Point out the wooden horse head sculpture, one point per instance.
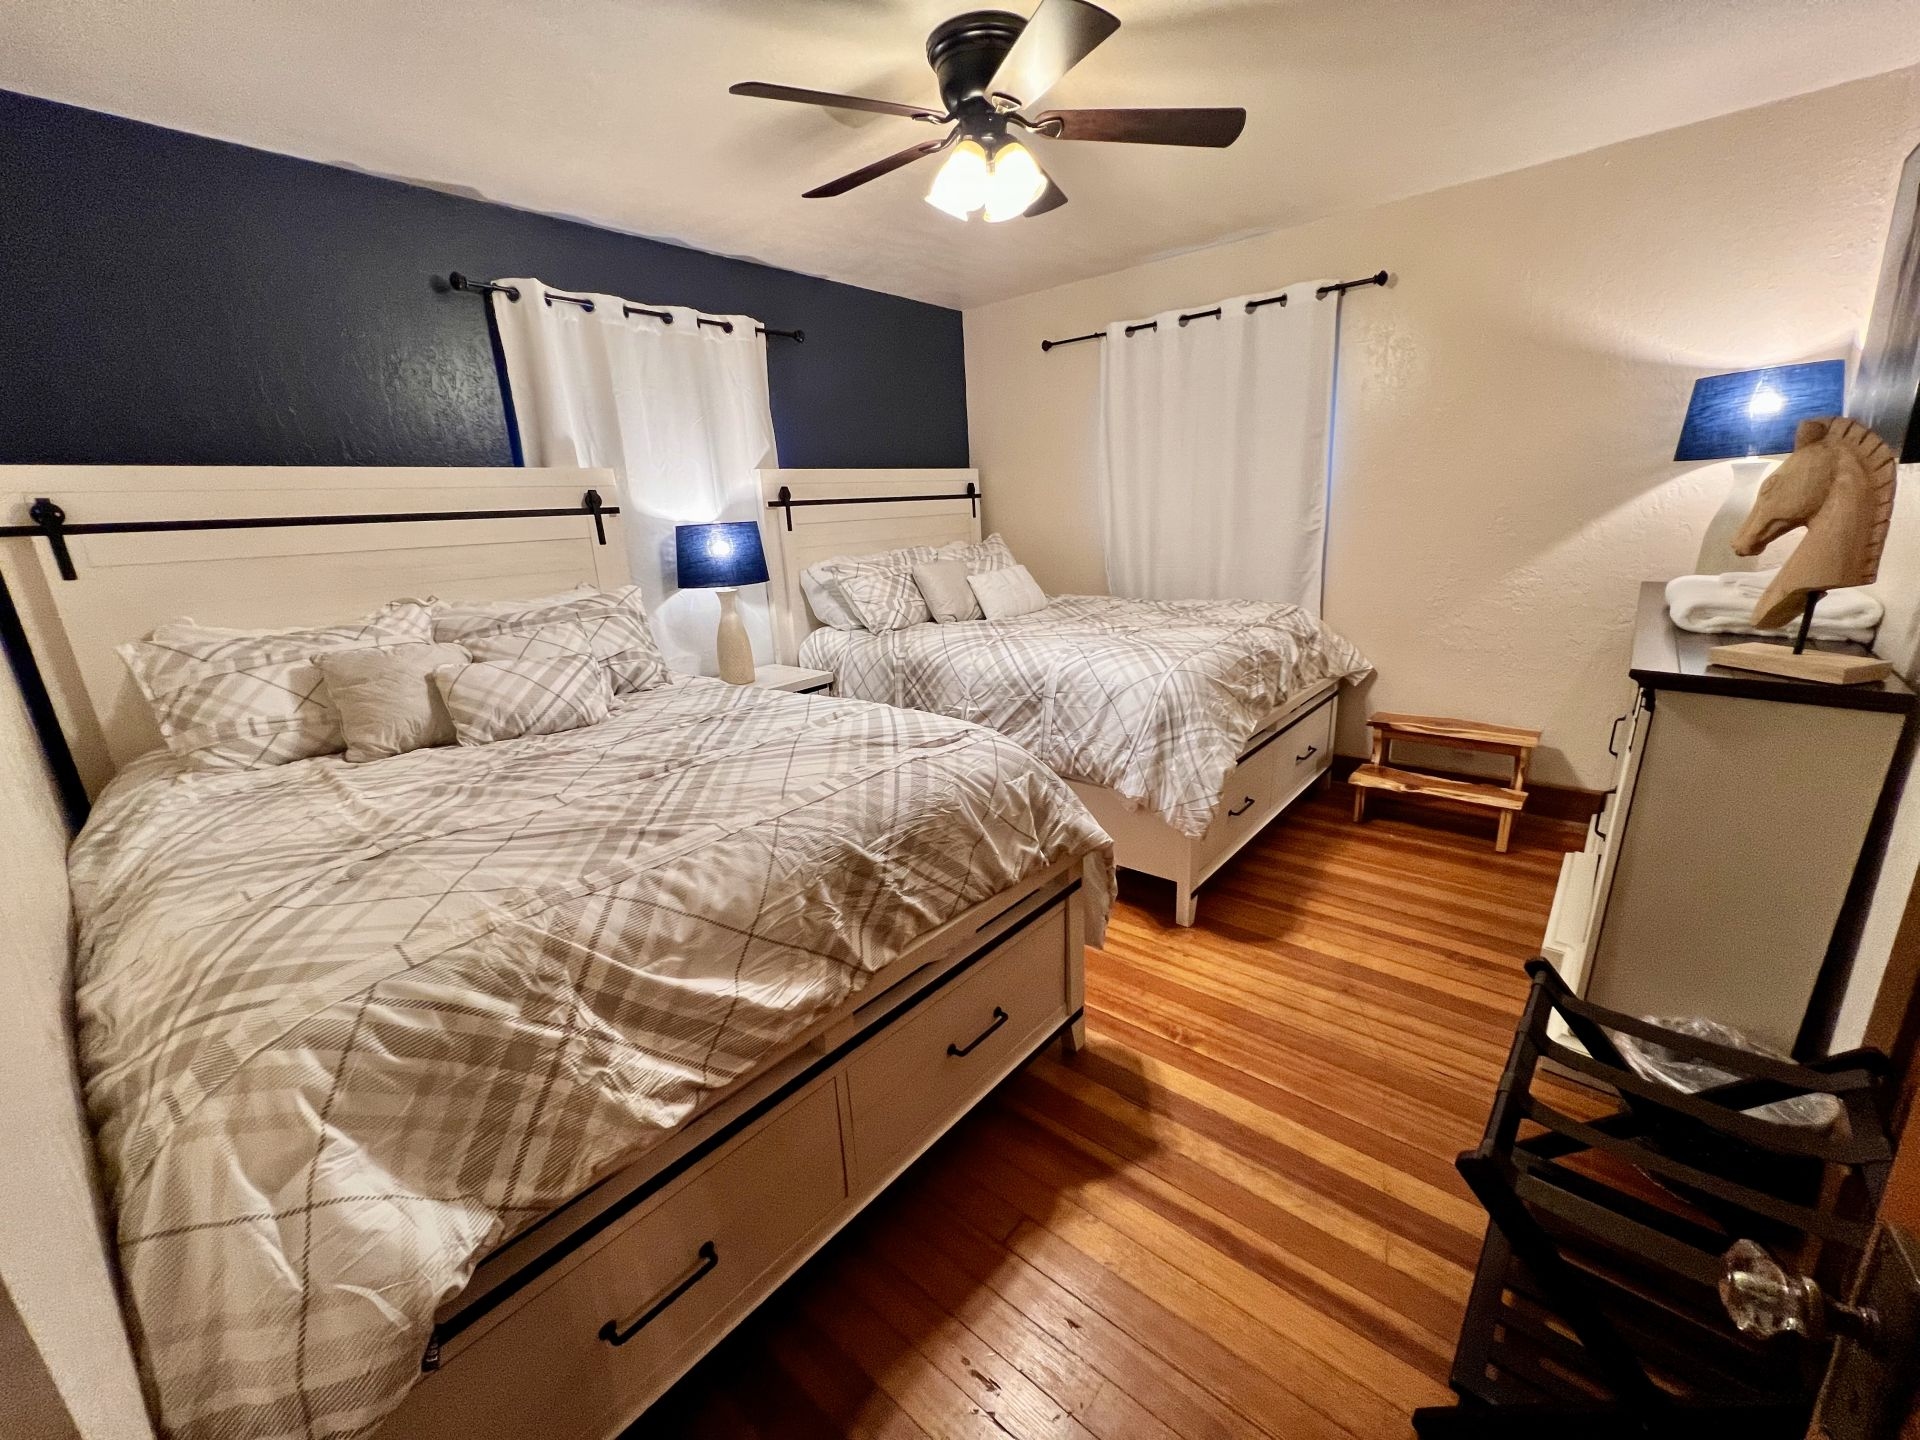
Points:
(1839, 484)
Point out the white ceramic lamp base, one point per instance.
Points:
(731, 646)
(1716, 546)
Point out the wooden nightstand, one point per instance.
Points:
(793, 678)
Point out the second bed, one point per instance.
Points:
(1184, 726)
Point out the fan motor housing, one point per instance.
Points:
(966, 51)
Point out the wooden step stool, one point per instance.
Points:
(1381, 774)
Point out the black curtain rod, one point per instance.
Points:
(1379, 277)
(457, 281)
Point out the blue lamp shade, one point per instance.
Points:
(725, 553)
(1755, 412)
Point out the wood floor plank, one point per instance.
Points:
(1080, 1388)
(1146, 1231)
(995, 1385)
(1437, 1216)
(1164, 1389)
(859, 1408)
(1334, 1239)
(914, 1381)
(1233, 1217)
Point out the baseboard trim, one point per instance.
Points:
(1549, 802)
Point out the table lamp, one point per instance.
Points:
(1742, 417)
(723, 556)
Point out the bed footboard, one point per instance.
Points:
(594, 1330)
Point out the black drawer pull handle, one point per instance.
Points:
(614, 1333)
(1242, 808)
(1602, 811)
(960, 1052)
(1613, 734)
(1311, 751)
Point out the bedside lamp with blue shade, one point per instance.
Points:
(723, 556)
(1742, 417)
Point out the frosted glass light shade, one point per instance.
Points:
(960, 185)
(1014, 184)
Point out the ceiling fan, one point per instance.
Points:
(991, 64)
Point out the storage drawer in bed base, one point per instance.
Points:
(579, 1341)
(1284, 759)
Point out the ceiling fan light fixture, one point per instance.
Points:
(990, 64)
(1013, 183)
(961, 184)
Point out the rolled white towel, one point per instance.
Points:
(1723, 605)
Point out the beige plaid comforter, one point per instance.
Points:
(1153, 699)
(343, 1028)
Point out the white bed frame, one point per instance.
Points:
(1291, 750)
(670, 1253)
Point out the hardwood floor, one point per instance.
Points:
(1234, 1216)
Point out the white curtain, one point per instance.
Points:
(1214, 450)
(678, 411)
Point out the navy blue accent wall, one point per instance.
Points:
(168, 299)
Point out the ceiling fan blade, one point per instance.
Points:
(1059, 35)
(1216, 128)
(877, 169)
(760, 90)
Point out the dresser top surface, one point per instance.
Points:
(1665, 657)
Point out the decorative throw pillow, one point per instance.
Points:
(943, 585)
(885, 599)
(244, 699)
(988, 554)
(1004, 594)
(825, 605)
(884, 579)
(493, 700)
(386, 697)
(608, 625)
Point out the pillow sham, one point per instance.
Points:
(943, 585)
(491, 700)
(1004, 594)
(607, 625)
(245, 699)
(826, 606)
(988, 554)
(883, 596)
(875, 592)
(386, 697)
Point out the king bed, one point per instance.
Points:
(480, 1089)
(1184, 726)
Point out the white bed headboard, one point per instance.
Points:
(870, 511)
(127, 584)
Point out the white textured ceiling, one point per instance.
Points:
(616, 111)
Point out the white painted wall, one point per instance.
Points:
(1507, 408)
(54, 1268)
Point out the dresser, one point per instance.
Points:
(1729, 868)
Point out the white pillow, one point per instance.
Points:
(607, 625)
(943, 585)
(244, 699)
(1004, 594)
(493, 700)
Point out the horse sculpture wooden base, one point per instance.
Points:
(1838, 483)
